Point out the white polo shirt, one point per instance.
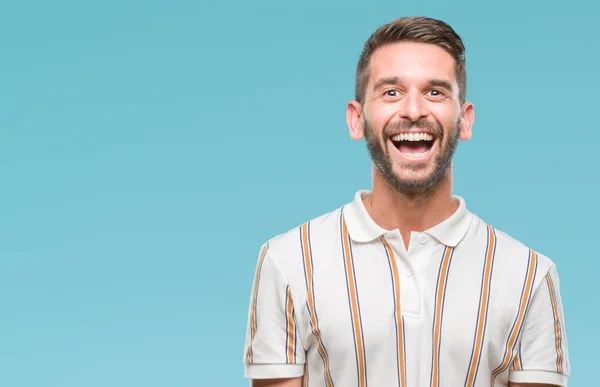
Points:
(342, 302)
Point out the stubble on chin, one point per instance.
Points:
(413, 180)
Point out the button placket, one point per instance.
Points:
(410, 293)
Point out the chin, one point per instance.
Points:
(415, 180)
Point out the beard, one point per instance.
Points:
(417, 185)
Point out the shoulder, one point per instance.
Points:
(292, 244)
(514, 245)
(516, 255)
(291, 239)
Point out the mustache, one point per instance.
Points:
(406, 125)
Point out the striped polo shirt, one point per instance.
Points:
(341, 301)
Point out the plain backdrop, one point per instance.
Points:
(148, 148)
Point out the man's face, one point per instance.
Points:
(411, 116)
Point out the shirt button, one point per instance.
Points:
(408, 274)
(423, 240)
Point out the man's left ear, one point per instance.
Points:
(467, 118)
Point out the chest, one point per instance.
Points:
(437, 303)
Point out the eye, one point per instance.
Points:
(436, 93)
(392, 93)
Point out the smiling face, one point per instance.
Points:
(411, 117)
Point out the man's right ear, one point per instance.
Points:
(354, 119)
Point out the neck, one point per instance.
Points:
(393, 210)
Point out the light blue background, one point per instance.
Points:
(148, 148)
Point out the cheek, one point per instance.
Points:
(381, 114)
(448, 118)
(388, 112)
(386, 121)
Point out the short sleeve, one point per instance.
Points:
(272, 347)
(543, 355)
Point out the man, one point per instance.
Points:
(403, 286)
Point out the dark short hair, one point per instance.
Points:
(413, 29)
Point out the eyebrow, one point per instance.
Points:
(397, 80)
(440, 83)
(385, 82)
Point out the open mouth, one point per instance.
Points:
(414, 145)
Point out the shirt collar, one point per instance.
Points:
(362, 228)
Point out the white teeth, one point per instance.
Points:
(415, 155)
(412, 137)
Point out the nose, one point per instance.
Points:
(413, 106)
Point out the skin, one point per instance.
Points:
(412, 96)
(531, 385)
(421, 87)
(295, 382)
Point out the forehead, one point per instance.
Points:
(412, 62)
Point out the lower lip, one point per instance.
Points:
(416, 157)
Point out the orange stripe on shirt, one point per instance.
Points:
(557, 330)
(354, 306)
(291, 329)
(437, 319)
(517, 363)
(308, 269)
(523, 304)
(397, 314)
(483, 307)
(249, 354)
